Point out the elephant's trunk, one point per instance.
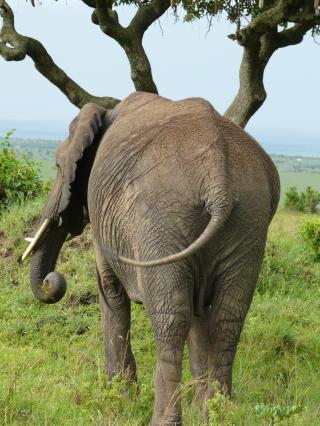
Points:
(47, 285)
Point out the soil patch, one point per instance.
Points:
(5, 249)
(84, 299)
(2, 237)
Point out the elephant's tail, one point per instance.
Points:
(217, 221)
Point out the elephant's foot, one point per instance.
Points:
(128, 374)
(166, 421)
(200, 394)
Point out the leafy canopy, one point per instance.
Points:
(234, 10)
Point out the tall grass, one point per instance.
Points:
(52, 360)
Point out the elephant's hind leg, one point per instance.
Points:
(198, 345)
(116, 321)
(170, 308)
(234, 290)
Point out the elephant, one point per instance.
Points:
(179, 199)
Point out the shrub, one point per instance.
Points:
(310, 199)
(304, 202)
(220, 409)
(293, 200)
(273, 414)
(310, 233)
(19, 175)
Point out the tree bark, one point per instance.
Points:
(251, 94)
(260, 39)
(141, 73)
(76, 94)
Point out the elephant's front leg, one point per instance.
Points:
(116, 319)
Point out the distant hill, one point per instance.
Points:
(40, 148)
(296, 164)
(291, 143)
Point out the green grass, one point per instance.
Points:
(52, 360)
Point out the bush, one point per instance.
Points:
(220, 409)
(19, 175)
(273, 414)
(310, 199)
(304, 202)
(310, 233)
(293, 200)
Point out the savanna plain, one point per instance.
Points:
(52, 360)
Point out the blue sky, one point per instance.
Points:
(186, 61)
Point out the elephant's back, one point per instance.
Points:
(146, 118)
(168, 156)
(159, 144)
(173, 146)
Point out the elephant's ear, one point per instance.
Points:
(77, 152)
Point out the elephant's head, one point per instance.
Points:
(66, 211)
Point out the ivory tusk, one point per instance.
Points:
(70, 237)
(35, 240)
(29, 239)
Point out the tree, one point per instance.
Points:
(261, 28)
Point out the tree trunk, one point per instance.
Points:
(251, 94)
(141, 73)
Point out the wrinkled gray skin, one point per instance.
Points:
(156, 177)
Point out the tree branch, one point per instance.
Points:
(251, 94)
(293, 35)
(109, 22)
(130, 38)
(90, 3)
(15, 47)
(147, 14)
(267, 20)
(260, 40)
